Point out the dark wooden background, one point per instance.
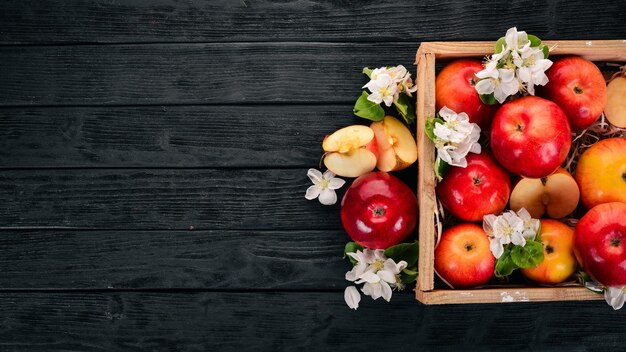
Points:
(153, 158)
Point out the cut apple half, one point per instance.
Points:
(351, 151)
(615, 108)
(556, 194)
(396, 146)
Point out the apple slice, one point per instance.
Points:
(557, 194)
(351, 151)
(615, 108)
(396, 146)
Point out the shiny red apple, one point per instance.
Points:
(578, 87)
(378, 210)
(530, 136)
(463, 257)
(481, 188)
(454, 88)
(600, 243)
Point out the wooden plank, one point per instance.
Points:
(507, 295)
(595, 50)
(162, 199)
(426, 178)
(137, 21)
(173, 136)
(269, 321)
(192, 73)
(223, 259)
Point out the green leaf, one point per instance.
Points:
(368, 71)
(429, 127)
(405, 108)
(488, 99)
(499, 44)
(528, 256)
(404, 251)
(408, 276)
(367, 109)
(534, 40)
(351, 247)
(441, 168)
(546, 51)
(504, 264)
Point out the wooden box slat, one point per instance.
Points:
(427, 54)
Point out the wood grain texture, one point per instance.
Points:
(426, 178)
(105, 21)
(162, 199)
(295, 321)
(192, 73)
(224, 259)
(172, 136)
(507, 295)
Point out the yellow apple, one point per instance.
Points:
(559, 261)
(601, 172)
(351, 151)
(556, 194)
(396, 146)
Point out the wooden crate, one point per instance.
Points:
(427, 54)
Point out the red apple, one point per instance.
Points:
(530, 137)
(481, 188)
(578, 87)
(454, 88)
(463, 257)
(378, 210)
(600, 243)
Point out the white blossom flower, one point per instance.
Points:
(377, 72)
(407, 85)
(532, 67)
(499, 81)
(397, 73)
(531, 226)
(516, 40)
(324, 186)
(378, 274)
(615, 296)
(383, 89)
(352, 297)
(456, 137)
(502, 230)
(517, 67)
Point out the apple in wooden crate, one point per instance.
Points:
(463, 257)
(600, 243)
(396, 146)
(556, 194)
(378, 210)
(479, 189)
(351, 151)
(578, 87)
(601, 172)
(454, 88)
(530, 136)
(615, 108)
(559, 261)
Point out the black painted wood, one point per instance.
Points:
(169, 136)
(192, 73)
(295, 322)
(224, 259)
(105, 21)
(162, 199)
